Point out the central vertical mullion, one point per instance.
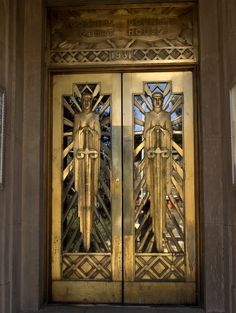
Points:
(128, 192)
(116, 178)
(189, 188)
(57, 138)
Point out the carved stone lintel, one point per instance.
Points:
(117, 35)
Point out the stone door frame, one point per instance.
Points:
(28, 255)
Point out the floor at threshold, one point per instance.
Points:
(117, 309)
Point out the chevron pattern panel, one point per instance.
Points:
(164, 267)
(86, 267)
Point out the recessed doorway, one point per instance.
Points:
(123, 199)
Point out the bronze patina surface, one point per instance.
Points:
(123, 208)
(135, 34)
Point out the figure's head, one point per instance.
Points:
(86, 102)
(157, 99)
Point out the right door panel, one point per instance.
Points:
(159, 188)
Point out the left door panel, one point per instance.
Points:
(86, 249)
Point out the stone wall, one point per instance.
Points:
(10, 195)
(217, 31)
(227, 31)
(21, 198)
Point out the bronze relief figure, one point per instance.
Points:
(158, 136)
(87, 136)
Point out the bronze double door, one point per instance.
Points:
(123, 203)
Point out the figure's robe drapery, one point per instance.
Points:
(87, 136)
(158, 135)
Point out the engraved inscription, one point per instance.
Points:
(95, 33)
(121, 55)
(94, 23)
(144, 31)
(149, 21)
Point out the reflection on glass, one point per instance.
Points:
(233, 130)
(101, 229)
(173, 233)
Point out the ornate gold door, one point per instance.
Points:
(123, 204)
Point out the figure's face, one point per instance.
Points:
(157, 101)
(86, 102)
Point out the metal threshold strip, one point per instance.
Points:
(116, 309)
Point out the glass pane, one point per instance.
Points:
(86, 209)
(233, 130)
(158, 181)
